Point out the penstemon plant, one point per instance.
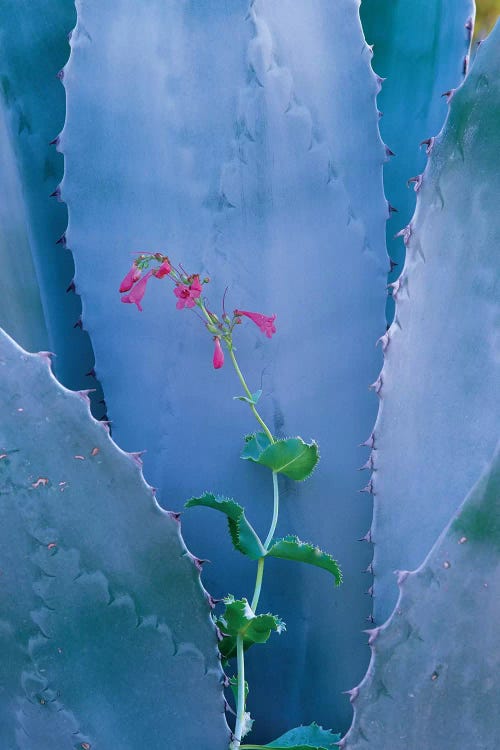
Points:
(239, 625)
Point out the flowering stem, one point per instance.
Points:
(260, 564)
(238, 730)
(247, 391)
(240, 709)
(258, 583)
(276, 507)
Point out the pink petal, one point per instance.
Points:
(264, 322)
(195, 289)
(128, 282)
(163, 270)
(181, 291)
(138, 291)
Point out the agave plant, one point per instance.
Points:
(246, 138)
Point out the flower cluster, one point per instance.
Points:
(188, 290)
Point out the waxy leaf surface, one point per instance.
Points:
(106, 638)
(440, 412)
(420, 52)
(434, 677)
(241, 138)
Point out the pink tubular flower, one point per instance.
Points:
(128, 282)
(264, 322)
(187, 293)
(138, 291)
(218, 359)
(163, 270)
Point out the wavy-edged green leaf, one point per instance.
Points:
(239, 619)
(291, 548)
(248, 722)
(292, 457)
(243, 535)
(106, 638)
(233, 684)
(440, 411)
(305, 738)
(259, 163)
(420, 53)
(434, 678)
(254, 446)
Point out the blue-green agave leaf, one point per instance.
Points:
(439, 386)
(38, 305)
(21, 310)
(243, 535)
(434, 678)
(106, 638)
(291, 548)
(420, 53)
(241, 138)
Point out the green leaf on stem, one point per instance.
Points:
(254, 446)
(292, 457)
(252, 401)
(247, 719)
(243, 535)
(306, 738)
(233, 684)
(291, 548)
(240, 619)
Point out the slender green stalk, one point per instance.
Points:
(276, 510)
(260, 564)
(247, 391)
(258, 584)
(240, 655)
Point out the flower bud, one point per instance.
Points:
(218, 359)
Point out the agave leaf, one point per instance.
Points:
(439, 386)
(419, 55)
(241, 138)
(243, 535)
(21, 310)
(36, 271)
(105, 635)
(291, 548)
(434, 677)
